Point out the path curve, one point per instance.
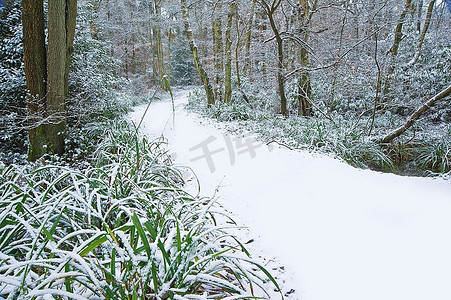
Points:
(332, 232)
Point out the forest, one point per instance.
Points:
(90, 208)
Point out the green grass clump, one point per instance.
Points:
(121, 229)
(435, 157)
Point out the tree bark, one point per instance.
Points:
(421, 110)
(423, 33)
(218, 56)
(159, 46)
(393, 51)
(154, 45)
(56, 66)
(247, 46)
(35, 74)
(71, 21)
(398, 31)
(420, 9)
(304, 84)
(168, 56)
(331, 100)
(197, 62)
(47, 72)
(228, 54)
(269, 10)
(237, 48)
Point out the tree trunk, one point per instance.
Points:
(421, 110)
(154, 45)
(168, 56)
(159, 46)
(133, 61)
(197, 62)
(71, 19)
(304, 84)
(218, 56)
(56, 66)
(393, 51)
(47, 72)
(237, 48)
(260, 57)
(35, 74)
(331, 100)
(228, 54)
(398, 31)
(420, 10)
(423, 33)
(269, 10)
(247, 46)
(160, 59)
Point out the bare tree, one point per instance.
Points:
(270, 9)
(195, 52)
(416, 115)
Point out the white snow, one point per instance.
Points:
(332, 232)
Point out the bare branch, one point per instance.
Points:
(421, 110)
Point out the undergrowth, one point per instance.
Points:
(121, 228)
(344, 136)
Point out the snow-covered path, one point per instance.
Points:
(335, 232)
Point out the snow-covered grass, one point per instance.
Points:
(346, 136)
(341, 137)
(121, 229)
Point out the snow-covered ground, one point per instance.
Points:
(330, 231)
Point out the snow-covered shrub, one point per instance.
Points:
(121, 229)
(229, 112)
(12, 82)
(93, 80)
(183, 71)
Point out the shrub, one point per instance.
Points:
(12, 82)
(121, 229)
(93, 79)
